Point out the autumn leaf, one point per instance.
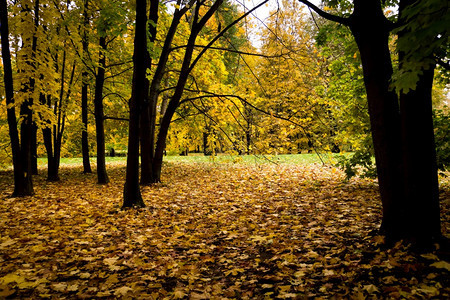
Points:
(122, 291)
(442, 265)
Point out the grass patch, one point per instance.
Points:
(307, 158)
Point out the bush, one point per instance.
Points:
(441, 122)
(360, 163)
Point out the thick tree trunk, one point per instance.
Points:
(421, 186)
(84, 94)
(20, 184)
(371, 31)
(148, 116)
(102, 176)
(422, 214)
(131, 192)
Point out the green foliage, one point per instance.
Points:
(360, 163)
(423, 37)
(441, 122)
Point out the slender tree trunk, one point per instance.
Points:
(84, 94)
(371, 31)
(102, 176)
(26, 130)
(131, 192)
(34, 156)
(52, 174)
(20, 184)
(149, 143)
(186, 68)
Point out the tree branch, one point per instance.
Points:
(209, 45)
(323, 14)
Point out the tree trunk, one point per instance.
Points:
(34, 164)
(52, 171)
(26, 130)
(421, 186)
(371, 31)
(20, 184)
(186, 68)
(102, 176)
(148, 117)
(84, 94)
(131, 192)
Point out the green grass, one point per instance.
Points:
(308, 158)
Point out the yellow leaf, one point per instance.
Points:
(122, 291)
(179, 294)
(7, 243)
(370, 288)
(59, 287)
(430, 256)
(441, 265)
(12, 278)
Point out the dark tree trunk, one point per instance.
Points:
(26, 131)
(371, 31)
(205, 142)
(131, 192)
(26, 113)
(52, 171)
(102, 176)
(172, 106)
(21, 188)
(421, 186)
(34, 156)
(148, 110)
(84, 94)
(422, 214)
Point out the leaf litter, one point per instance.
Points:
(210, 231)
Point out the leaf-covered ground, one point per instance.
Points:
(211, 231)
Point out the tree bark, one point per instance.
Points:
(186, 68)
(20, 184)
(84, 94)
(148, 140)
(131, 193)
(148, 115)
(421, 186)
(102, 176)
(371, 31)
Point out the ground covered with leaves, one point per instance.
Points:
(210, 231)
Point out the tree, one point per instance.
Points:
(404, 215)
(22, 181)
(132, 194)
(84, 92)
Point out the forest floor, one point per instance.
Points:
(211, 231)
